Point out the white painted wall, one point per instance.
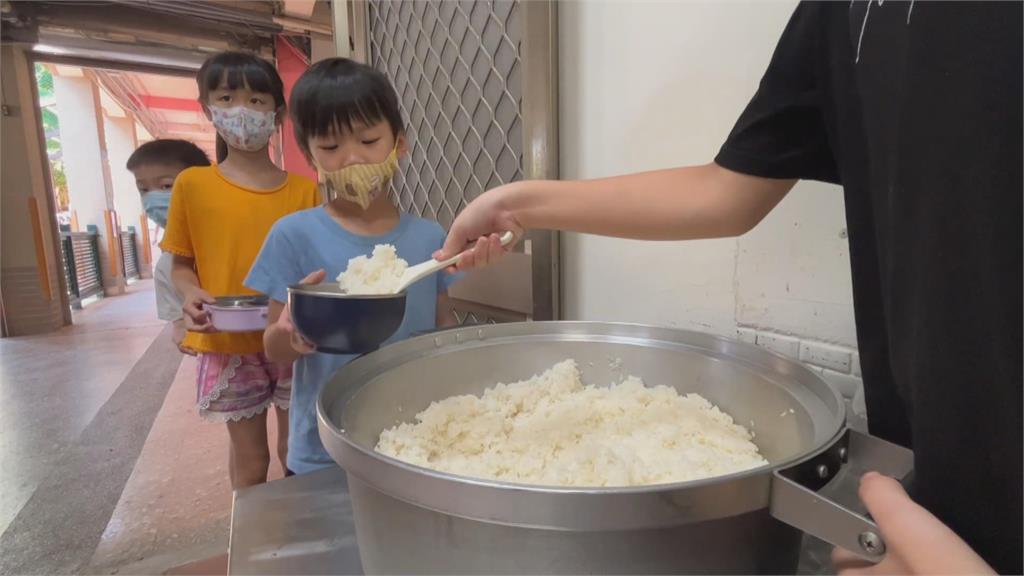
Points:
(120, 145)
(646, 85)
(84, 164)
(80, 143)
(141, 134)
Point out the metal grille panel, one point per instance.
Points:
(128, 256)
(85, 256)
(456, 67)
(471, 318)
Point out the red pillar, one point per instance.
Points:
(290, 65)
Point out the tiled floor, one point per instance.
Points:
(104, 465)
(176, 505)
(52, 386)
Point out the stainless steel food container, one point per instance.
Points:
(239, 313)
(414, 520)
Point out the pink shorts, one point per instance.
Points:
(231, 387)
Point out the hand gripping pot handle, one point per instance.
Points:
(819, 494)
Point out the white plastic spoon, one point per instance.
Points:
(416, 273)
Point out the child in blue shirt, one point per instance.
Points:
(348, 123)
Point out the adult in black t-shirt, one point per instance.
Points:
(915, 109)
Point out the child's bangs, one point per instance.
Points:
(234, 73)
(335, 95)
(339, 110)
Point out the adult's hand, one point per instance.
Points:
(477, 231)
(916, 541)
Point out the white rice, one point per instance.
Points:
(379, 274)
(552, 430)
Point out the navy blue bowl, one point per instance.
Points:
(340, 323)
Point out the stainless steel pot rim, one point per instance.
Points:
(253, 301)
(821, 446)
(333, 290)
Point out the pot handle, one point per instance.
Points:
(819, 495)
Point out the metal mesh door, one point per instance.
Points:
(476, 82)
(456, 68)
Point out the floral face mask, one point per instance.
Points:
(244, 129)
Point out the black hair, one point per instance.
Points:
(238, 69)
(335, 93)
(180, 152)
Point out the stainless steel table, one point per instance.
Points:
(297, 525)
(303, 525)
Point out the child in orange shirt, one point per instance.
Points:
(218, 219)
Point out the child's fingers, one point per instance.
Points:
(314, 278)
(193, 326)
(205, 327)
(287, 325)
(192, 313)
(301, 345)
(196, 320)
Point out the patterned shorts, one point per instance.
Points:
(231, 387)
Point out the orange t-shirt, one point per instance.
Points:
(222, 226)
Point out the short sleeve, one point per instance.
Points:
(177, 239)
(308, 190)
(782, 132)
(317, 198)
(276, 266)
(168, 301)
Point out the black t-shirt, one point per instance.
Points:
(915, 109)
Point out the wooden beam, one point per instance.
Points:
(299, 8)
(113, 244)
(147, 250)
(169, 103)
(339, 14)
(37, 240)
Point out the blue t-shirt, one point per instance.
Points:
(304, 242)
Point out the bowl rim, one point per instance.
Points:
(320, 290)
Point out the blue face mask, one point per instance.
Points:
(156, 203)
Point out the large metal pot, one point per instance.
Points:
(414, 520)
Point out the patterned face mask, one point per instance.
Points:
(359, 183)
(242, 128)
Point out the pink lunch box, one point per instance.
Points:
(239, 313)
